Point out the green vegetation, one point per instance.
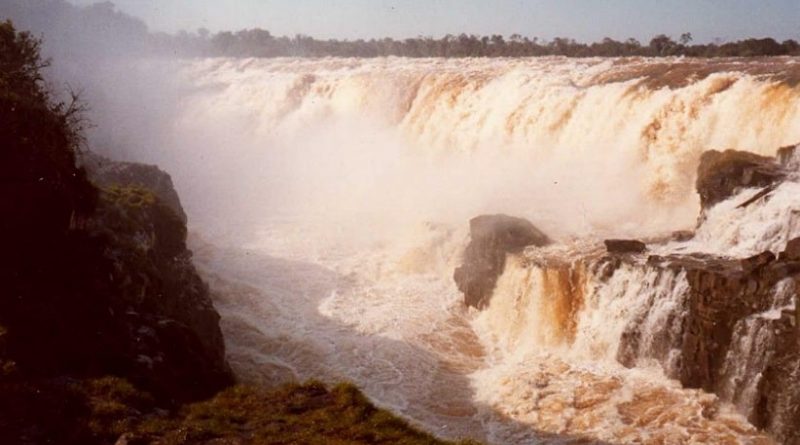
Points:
(42, 194)
(293, 414)
(39, 138)
(106, 330)
(101, 410)
(130, 196)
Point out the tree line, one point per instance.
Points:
(101, 28)
(261, 43)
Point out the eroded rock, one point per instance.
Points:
(727, 333)
(722, 174)
(491, 238)
(624, 246)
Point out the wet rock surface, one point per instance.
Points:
(624, 246)
(730, 309)
(722, 174)
(491, 238)
(682, 235)
(756, 262)
(736, 331)
(726, 325)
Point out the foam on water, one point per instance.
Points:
(330, 199)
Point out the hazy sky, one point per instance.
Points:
(585, 20)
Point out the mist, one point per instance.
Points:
(329, 201)
(376, 146)
(237, 164)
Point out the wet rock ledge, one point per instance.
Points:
(731, 326)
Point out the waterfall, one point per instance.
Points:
(329, 199)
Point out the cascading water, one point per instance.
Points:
(329, 200)
(555, 344)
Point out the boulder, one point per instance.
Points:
(722, 174)
(491, 238)
(624, 246)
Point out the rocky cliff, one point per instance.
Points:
(736, 333)
(179, 348)
(720, 321)
(97, 279)
(114, 291)
(107, 333)
(111, 291)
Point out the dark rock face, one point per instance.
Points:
(491, 238)
(722, 174)
(111, 290)
(733, 330)
(106, 173)
(722, 304)
(792, 250)
(787, 156)
(97, 285)
(624, 246)
(163, 303)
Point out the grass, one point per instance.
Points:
(306, 413)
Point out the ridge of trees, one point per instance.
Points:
(101, 28)
(261, 43)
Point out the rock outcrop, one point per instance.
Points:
(106, 173)
(163, 303)
(737, 330)
(113, 291)
(96, 276)
(731, 310)
(727, 325)
(491, 238)
(792, 251)
(722, 174)
(99, 296)
(624, 246)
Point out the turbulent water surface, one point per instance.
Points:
(330, 200)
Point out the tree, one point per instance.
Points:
(20, 62)
(222, 43)
(662, 45)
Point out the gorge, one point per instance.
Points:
(510, 250)
(345, 272)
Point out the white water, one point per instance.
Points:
(330, 199)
